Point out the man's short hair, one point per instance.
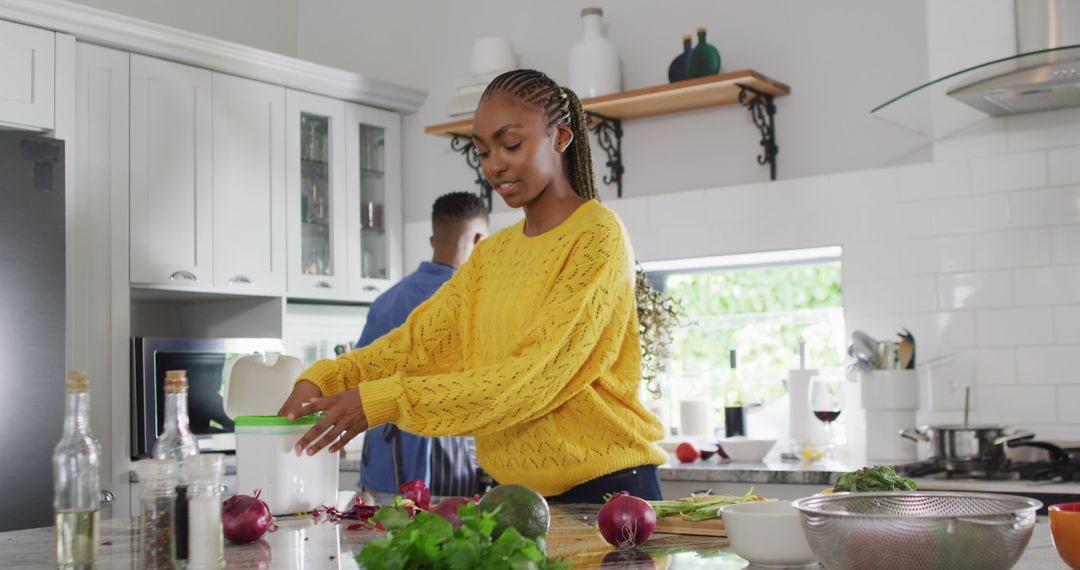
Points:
(458, 206)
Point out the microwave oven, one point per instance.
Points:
(208, 361)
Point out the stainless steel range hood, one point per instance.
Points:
(1044, 75)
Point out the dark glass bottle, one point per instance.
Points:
(677, 70)
(734, 414)
(704, 59)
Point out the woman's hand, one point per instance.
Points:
(303, 391)
(344, 420)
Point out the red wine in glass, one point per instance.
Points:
(827, 416)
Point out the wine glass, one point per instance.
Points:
(826, 402)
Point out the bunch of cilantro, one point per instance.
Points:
(428, 541)
(880, 478)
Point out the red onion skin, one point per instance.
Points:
(626, 521)
(245, 519)
(447, 509)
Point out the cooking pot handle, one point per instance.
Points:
(1057, 454)
(1017, 436)
(917, 435)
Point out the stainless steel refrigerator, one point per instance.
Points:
(32, 349)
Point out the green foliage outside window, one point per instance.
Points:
(762, 314)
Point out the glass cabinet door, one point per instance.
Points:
(373, 258)
(316, 196)
(375, 200)
(315, 239)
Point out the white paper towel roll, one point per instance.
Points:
(804, 427)
(695, 418)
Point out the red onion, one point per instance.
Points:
(245, 519)
(447, 509)
(626, 521)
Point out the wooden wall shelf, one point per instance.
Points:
(747, 87)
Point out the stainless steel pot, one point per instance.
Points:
(968, 448)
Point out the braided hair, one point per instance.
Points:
(657, 314)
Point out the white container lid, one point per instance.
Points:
(254, 388)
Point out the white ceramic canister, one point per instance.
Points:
(265, 460)
(594, 63)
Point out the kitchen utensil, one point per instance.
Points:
(864, 349)
(675, 524)
(906, 350)
(969, 448)
(899, 531)
(1065, 528)
(967, 402)
(767, 534)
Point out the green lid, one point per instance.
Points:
(276, 421)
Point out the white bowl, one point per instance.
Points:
(767, 534)
(746, 450)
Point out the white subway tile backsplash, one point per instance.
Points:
(1019, 248)
(1047, 285)
(913, 219)
(933, 180)
(1008, 172)
(935, 255)
(871, 260)
(975, 290)
(1048, 365)
(877, 186)
(971, 214)
(1014, 327)
(1068, 402)
(1067, 324)
(897, 295)
(1047, 129)
(984, 138)
(1065, 244)
(1015, 405)
(1064, 164)
(1045, 207)
(992, 366)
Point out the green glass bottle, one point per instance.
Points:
(704, 58)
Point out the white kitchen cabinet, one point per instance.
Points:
(171, 174)
(249, 186)
(27, 76)
(100, 270)
(315, 148)
(374, 200)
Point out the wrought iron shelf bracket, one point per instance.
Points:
(762, 111)
(464, 146)
(609, 133)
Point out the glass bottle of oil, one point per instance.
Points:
(178, 443)
(77, 480)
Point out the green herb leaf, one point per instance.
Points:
(392, 518)
(879, 479)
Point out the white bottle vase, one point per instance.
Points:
(594, 63)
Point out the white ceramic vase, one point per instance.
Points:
(594, 63)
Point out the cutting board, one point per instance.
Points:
(678, 525)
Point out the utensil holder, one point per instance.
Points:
(890, 398)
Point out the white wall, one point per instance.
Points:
(265, 24)
(841, 58)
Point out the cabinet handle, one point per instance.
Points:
(370, 288)
(324, 285)
(241, 280)
(185, 275)
(107, 497)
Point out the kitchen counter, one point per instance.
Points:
(300, 542)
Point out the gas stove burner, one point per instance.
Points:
(1064, 466)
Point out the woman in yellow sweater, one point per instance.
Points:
(534, 345)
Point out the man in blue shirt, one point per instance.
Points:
(390, 456)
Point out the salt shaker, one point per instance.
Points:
(206, 548)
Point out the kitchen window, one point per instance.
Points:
(762, 305)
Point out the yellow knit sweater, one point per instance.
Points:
(532, 347)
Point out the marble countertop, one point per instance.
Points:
(301, 542)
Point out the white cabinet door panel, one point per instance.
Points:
(27, 76)
(171, 184)
(249, 185)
